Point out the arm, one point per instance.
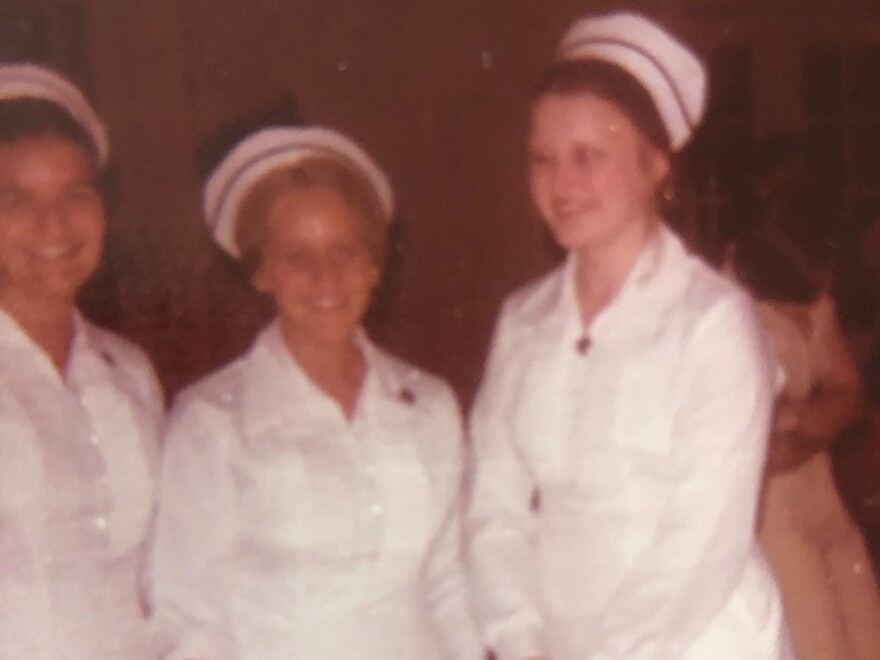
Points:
(448, 594)
(837, 400)
(194, 531)
(703, 537)
(500, 523)
(802, 428)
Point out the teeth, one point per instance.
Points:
(52, 251)
(327, 304)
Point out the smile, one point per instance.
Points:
(54, 252)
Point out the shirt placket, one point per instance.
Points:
(90, 518)
(369, 506)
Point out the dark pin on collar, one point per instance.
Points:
(582, 346)
(406, 396)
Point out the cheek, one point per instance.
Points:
(539, 187)
(91, 225)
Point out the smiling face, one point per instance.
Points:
(593, 174)
(51, 219)
(316, 264)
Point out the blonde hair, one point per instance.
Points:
(325, 172)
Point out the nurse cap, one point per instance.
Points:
(269, 149)
(674, 77)
(32, 81)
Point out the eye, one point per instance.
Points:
(585, 155)
(81, 195)
(539, 158)
(295, 257)
(12, 201)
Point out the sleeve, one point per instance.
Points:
(448, 593)
(24, 590)
(194, 533)
(703, 537)
(500, 521)
(148, 383)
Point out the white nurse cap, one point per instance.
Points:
(270, 149)
(32, 81)
(673, 76)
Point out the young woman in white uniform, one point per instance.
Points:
(80, 408)
(621, 426)
(310, 503)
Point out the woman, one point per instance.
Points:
(310, 498)
(621, 426)
(828, 585)
(79, 407)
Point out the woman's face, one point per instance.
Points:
(316, 264)
(51, 219)
(593, 175)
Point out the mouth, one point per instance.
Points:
(568, 211)
(328, 305)
(54, 252)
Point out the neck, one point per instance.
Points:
(48, 323)
(601, 270)
(337, 367)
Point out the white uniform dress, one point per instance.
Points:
(615, 489)
(286, 531)
(78, 459)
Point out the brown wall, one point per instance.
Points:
(435, 89)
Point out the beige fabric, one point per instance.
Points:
(818, 555)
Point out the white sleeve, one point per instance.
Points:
(447, 587)
(500, 522)
(703, 537)
(194, 532)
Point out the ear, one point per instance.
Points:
(260, 280)
(375, 275)
(658, 165)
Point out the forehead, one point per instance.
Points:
(578, 115)
(43, 159)
(312, 211)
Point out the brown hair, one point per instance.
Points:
(318, 171)
(613, 84)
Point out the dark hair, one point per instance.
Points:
(30, 117)
(613, 84)
(784, 256)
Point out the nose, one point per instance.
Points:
(53, 220)
(323, 271)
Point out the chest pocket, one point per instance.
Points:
(410, 484)
(296, 495)
(645, 400)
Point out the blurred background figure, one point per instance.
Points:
(80, 408)
(310, 493)
(785, 258)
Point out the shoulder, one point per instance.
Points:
(708, 292)
(415, 383)
(220, 390)
(534, 300)
(130, 363)
(118, 351)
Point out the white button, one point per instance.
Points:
(376, 509)
(93, 439)
(370, 469)
(100, 522)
